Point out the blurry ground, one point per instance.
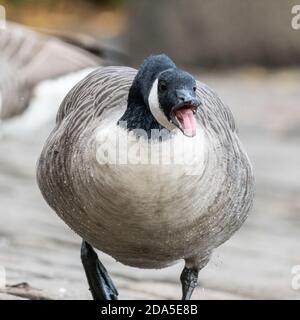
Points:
(38, 248)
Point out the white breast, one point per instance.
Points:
(151, 174)
(176, 153)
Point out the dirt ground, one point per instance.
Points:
(41, 254)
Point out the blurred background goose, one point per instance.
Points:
(152, 215)
(28, 58)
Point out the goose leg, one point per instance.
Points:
(188, 278)
(101, 285)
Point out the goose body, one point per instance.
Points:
(142, 213)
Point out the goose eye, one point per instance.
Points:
(194, 89)
(162, 86)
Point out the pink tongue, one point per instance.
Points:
(187, 121)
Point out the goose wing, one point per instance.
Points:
(104, 88)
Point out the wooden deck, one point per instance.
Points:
(41, 254)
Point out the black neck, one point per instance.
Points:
(138, 114)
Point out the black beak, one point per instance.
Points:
(186, 98)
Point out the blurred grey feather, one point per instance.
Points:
(27, 58)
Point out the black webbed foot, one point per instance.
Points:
(101, 285)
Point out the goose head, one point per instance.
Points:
(173, 102)
(166, 94)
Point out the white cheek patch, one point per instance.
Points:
(156, 110)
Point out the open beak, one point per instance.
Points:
(183, 114)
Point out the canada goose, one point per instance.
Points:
(27, 58)
(147, 215)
